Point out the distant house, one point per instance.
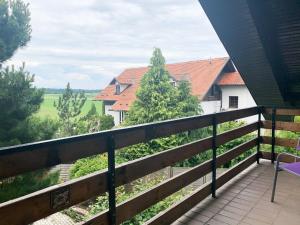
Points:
(215, 82)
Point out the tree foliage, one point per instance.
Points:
(26, 183)
(69, 107)
(158, 99)
(94, 122)
(15, 29)
(19, 99)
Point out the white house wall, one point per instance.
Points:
(123, 87)
(115, 114)
(245, 99)
(210, 106)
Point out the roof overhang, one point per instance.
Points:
(263, 40)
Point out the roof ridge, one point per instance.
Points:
(190, 61)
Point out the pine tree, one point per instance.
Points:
(19, 100)
(69, 107)
(15, 29)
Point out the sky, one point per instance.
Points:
(88, 42)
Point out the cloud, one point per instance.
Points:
(89, 42)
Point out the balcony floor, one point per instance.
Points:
(246, 200)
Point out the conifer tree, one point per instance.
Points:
(15, 29)
(69, 107)
(158, 99)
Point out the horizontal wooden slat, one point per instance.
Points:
(236, 133)
(228, 175)
(236, 114)
(173, 213)
(37, 205)
(129, 208)
(235, 152)
(279, 125)
(177, 210)
(266, 124)
(285, 142)
(141, 167)
(287, 112)
(144, 200)
(88, 186)
(24, 158)
(283, 158)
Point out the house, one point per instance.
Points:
(215, 82)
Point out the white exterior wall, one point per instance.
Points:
(245, 99)
(210, 106)
(123, 87)
(115, 114)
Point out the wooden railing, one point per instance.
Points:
(276, 124)
(24, 158)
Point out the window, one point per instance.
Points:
(233, 102)
(118, 89)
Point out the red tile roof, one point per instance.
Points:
(233, 78)
(200, 73)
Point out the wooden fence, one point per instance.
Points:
(276, 124)
(24, 158)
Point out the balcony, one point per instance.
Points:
(246, 200)
(244, 187)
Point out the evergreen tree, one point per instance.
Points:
(19, 99)
(69, 107)
(187, 104)
(156, 97)
(94, 122)
(15, 29)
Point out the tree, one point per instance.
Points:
(69, 107)
(19, 99)
(157, 100)
(94, 122)
(187, 104)
(156, 97)
(15, 29)
(106, 122)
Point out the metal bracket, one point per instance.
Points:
(273, 133)
(214, 156)
(258, 138)
(111, 179)
(60, 198)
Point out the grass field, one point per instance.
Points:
(48, 110)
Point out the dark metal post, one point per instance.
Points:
(214, 156)
(258, 136)
(273, 134)
(111, 180)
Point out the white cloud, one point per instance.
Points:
(89, 42)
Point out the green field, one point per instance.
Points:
(48, 110)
